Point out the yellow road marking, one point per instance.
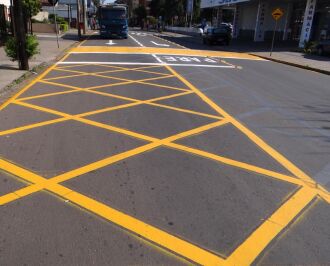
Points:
(80, 73)
(76, 65)
(164, 51)
(243, 255)
(209, 155)
(79, 117)
(8, 198)
(88, 90)
(115, 158)
(127, 81)
(104, 65)
(246, 253)
(147, 231)
(238, 164)
(5, 104)
(69, 117)
(149, 102)
(47, 95)
(258, 141)
(40, 124)
(124, 82)
(138, 69)
(155, 235)
(185, 110)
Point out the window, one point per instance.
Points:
(113, 14)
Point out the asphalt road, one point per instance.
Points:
(143, 152)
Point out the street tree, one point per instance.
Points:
(30, 9)
(33, 6)
(197, 10)
(157, 8)
(140, 13)
(173, 8)
(97, 3)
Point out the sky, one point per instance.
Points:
(5, 2)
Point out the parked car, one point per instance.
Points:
(199, 29)
(221, 34)
(323, 47)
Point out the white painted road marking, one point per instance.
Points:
(160, 44)
(142, 34)
(110, 43)
(136, 40)
(141, 63)
(187, 59)
(176, 53)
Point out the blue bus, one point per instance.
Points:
(113, 21)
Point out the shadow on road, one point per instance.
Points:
(8, 67)
(195, 42)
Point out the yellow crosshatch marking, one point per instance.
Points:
(247, 251)
(164, 51)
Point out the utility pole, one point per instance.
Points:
(12, 27)
(78, 19)
(23, 62)
(84, 15)
(55, 21)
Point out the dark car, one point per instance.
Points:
(323, 47)
(221, 34)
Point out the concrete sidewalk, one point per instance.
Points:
(49, 51)
(286, 53)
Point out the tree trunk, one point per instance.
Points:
(20, 35)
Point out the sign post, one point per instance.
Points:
(53, 3)
(276, 14)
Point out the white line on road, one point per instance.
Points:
(172, 54)
(139, 63)
(160, 44)
(110, 42)
(136, 40)
(157, 58)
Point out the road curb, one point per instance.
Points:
(277, 60)
(293, 64)
(17, 84)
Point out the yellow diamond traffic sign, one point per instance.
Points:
(277, 13)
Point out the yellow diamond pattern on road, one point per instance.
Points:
(164, 51)
(247, 251)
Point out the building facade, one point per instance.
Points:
(302, 20)
(4, 10)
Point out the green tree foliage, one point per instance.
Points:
(140, 13)
(32, 7)
(97, 3)
(174, 8)
(197, 10)
(31, 47)
(169, 9)
(157, 8)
